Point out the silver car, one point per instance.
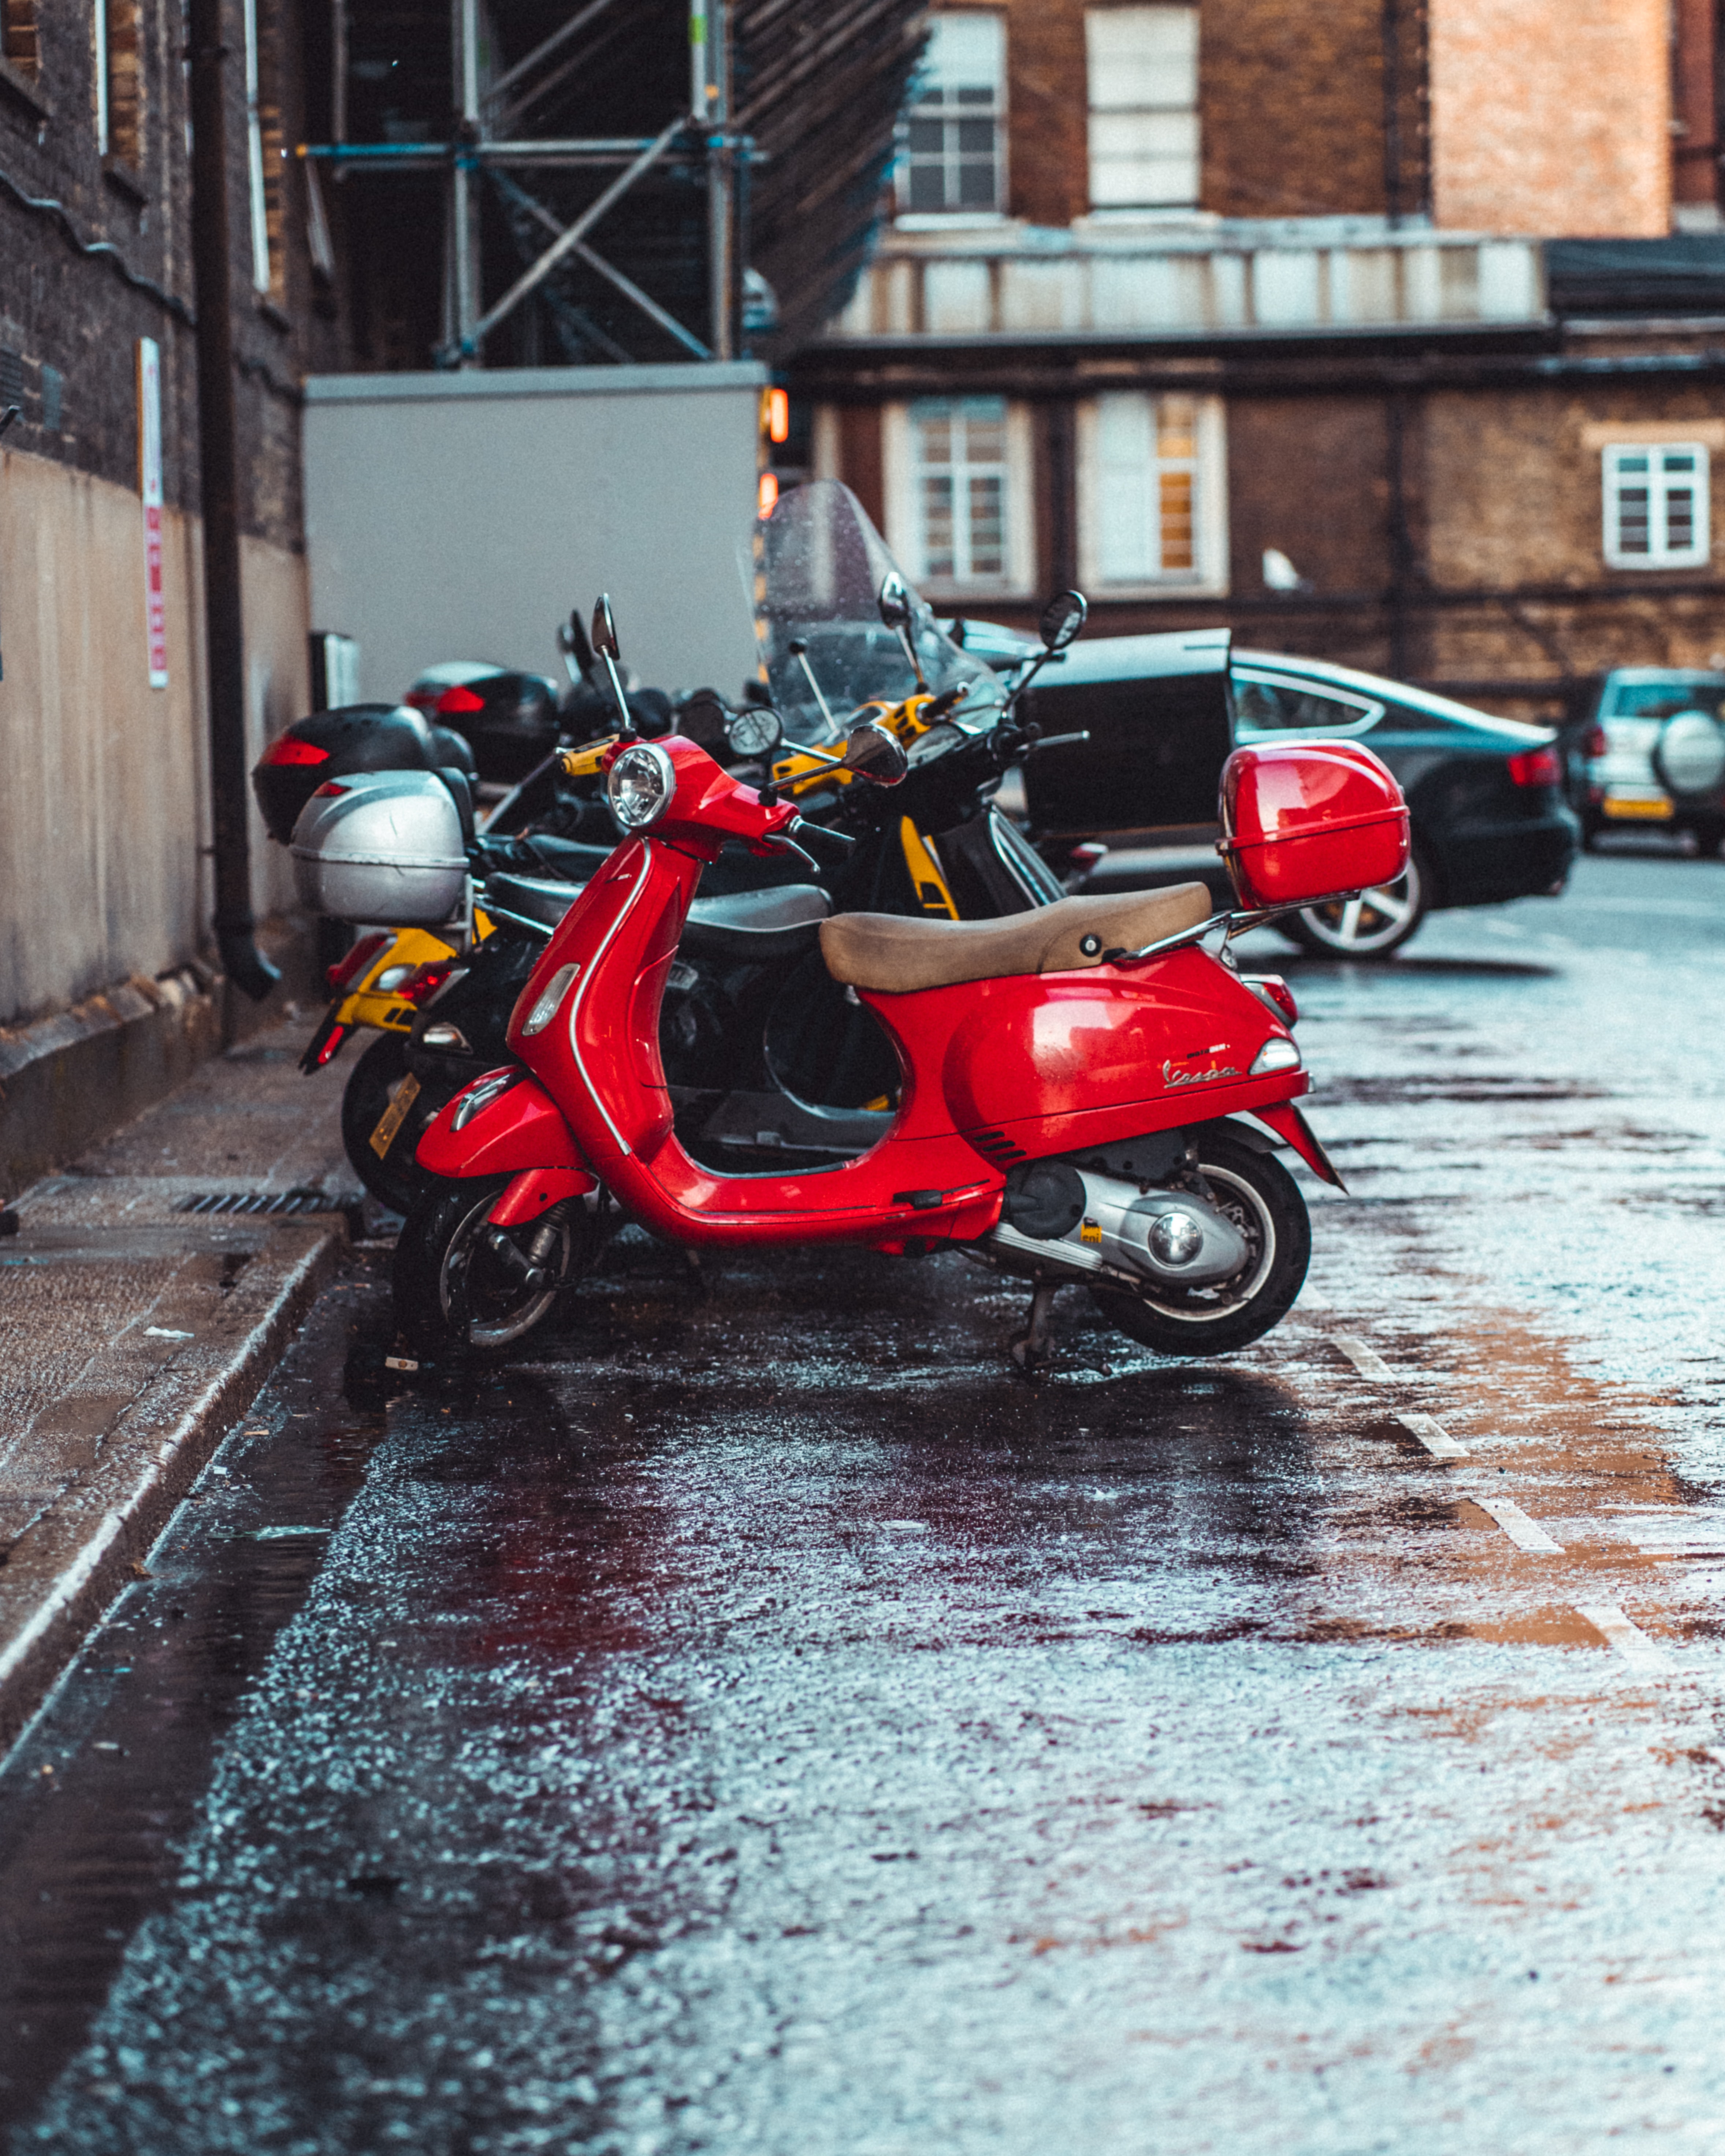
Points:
(1655, 754)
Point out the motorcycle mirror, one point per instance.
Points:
(895, 602)
(1062, 618)
(755, 731)
(871, 752)
(604, 643)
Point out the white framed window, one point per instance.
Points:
(959, 510)
(953, 154)
(1656, 505)
(1143, 107)
(1153, 494)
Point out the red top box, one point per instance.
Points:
(1303, 821)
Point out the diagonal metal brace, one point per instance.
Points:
(630, 290)
(535, 274)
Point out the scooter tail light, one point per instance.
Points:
(1270, 988)
(346, 970)
(1278, 1053)
(454, 701)
(1535, 767)
(288, 750)
(329, 789)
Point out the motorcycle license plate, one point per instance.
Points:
(395, 1115)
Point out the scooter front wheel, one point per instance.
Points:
(463, 1287)
(1263, 1201)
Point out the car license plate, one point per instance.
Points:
(1628, 808)
(395, 1115)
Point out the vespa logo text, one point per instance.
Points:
(1172, 1075)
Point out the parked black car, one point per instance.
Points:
(1488, 818)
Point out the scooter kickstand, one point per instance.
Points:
(1033, 1349)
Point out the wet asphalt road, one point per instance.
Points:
(754, 1723)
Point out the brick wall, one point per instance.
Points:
(63, 310)
(1528, 137)
(1295, 107)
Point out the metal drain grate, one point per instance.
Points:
(256, 1202)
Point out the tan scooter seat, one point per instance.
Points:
(882, 951)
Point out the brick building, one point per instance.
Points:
(104, 803)
(1388, 330)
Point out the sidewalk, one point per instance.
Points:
(133, 1334)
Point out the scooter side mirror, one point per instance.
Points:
(871, 752)
(1062, 618)
(895, 602)
(604, 629)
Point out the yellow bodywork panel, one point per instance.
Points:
(381, 1009)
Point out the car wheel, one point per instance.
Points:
(1709, 833)
(1371, 926)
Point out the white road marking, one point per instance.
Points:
(1525, 1533)
(1366, 1360)
(1310, 1299)
(1432, 1434)
(1625, 1635)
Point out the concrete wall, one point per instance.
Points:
(462, 515)
(1552, 116)
(104, 801)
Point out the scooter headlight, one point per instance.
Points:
(640, 783)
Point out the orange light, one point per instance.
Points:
(768, 501)
(775, 415)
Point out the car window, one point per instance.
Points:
(1661, 700)
(1266, 703)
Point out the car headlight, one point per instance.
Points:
(639, 784)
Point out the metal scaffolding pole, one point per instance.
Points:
(464, 208)
(706, 139)
(716, 98)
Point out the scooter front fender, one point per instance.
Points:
(521, 1130)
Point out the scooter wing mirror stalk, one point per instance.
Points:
(1062, 618)
(871, 752)
(899, 614)
(604, 643)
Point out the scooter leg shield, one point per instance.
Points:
(519, 1130)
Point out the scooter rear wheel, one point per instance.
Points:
(464, 1288)
(1263, 1200)
(393, 1177)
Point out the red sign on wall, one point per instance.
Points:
(150, 486)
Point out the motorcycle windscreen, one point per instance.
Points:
(1159, 710)
(813, 568)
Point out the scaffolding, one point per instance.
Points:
(485, 148)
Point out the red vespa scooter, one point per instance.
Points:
(1072, 1076)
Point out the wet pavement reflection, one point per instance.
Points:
(754, 1722)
